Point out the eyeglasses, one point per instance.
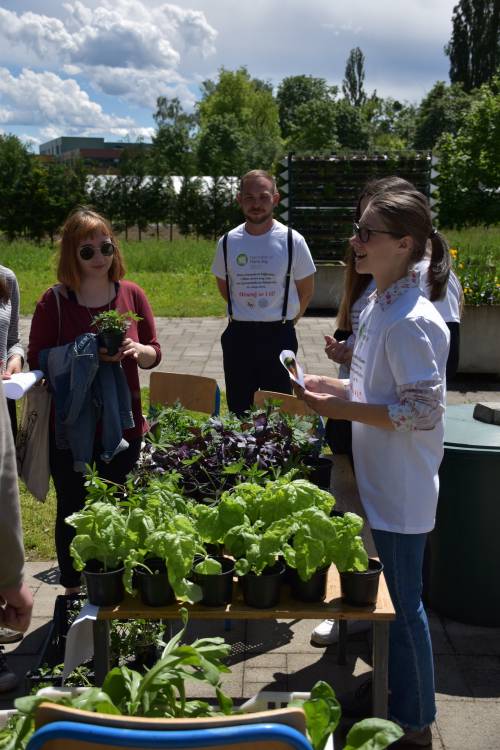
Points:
(364, 233)
(87, 251)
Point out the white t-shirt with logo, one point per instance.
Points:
(257, 266)
(397, 472)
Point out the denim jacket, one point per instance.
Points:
(85, 391)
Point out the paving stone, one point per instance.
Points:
(482, 674)
(441, 643)
(470, 725)
(472, 639)
(450, 678)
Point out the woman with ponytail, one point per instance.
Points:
(395, 399)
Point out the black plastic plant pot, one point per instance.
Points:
(112, 340)
(263, 591)
(154, 588)
(104, 588)
(313, 590)
(321, 471)
(217, 588)
(360, 588)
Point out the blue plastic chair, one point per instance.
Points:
(69, 733)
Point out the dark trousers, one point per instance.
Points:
(454, 353)
(70, 493)
(251, 360)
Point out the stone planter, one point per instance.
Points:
(328, 285)
(479, 349)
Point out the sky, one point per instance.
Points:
(96, 67)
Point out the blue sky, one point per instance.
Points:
(96, 67)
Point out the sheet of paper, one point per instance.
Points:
(289, 362)
(21, 382)
(80, 639)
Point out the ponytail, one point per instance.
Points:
(440, 265)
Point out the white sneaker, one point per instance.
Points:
(327, 632)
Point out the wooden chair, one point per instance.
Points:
(194, 392)
(63, 728)
(289, 404)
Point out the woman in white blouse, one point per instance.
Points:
(395, 399)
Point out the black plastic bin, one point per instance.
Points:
(462, 566)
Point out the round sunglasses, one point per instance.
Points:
(364, 233)
(88, 251)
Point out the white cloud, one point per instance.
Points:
(40, 98)
(124, 47)
(141, 88)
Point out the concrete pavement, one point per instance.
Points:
(277, 655)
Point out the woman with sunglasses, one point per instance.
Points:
(90, 271)
(395, 399)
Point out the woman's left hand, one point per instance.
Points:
(131, 348)
(14, 365)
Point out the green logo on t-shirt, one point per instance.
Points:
(242, 259)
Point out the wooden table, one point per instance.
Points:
(288, 609)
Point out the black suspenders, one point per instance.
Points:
(287, 278)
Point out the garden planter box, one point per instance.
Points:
(479, 330)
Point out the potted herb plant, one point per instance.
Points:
(359, 588)
(111, 327)
(98, 549)
(214, 575)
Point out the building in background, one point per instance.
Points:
(95, 153)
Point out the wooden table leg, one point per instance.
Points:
(380, 668)
(342, 647)
(101, 650)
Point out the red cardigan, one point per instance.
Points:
(76, 319)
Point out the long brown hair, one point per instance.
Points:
(354, 282)
(84, 222)
(408, 214)
(4, 289)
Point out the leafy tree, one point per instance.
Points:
(442, 110)
(238, 123)
(315, 127)
(474, 47)
(354, 78)
(391, 123)
(65, 189)
(189, 205)
(293, 92)
(352, 129)
(221, 147)
(173, 143)
(15, 174)
(469, 168)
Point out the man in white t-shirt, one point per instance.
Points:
(265, 272)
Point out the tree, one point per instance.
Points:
(173, 143)
(354, 78)
(295, 91)
(441, 111)
(238, 124)
(352, 129)
(391, 123)
(15, 173)
(469, 168)
(315, 127)
(474, 47)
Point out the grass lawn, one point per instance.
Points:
(176, 275)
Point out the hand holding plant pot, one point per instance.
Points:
(111, 327)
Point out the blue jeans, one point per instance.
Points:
(411, 667)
